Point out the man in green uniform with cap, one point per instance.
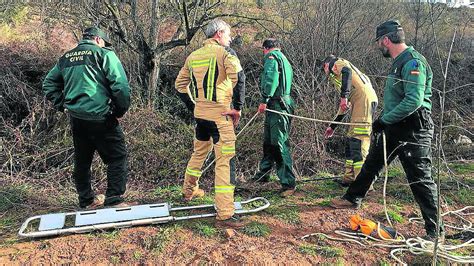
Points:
(89, 82)
(275, 86)
(407, 123)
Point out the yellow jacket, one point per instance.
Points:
(359, 93)
(209, 76)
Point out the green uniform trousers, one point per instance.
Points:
(276, 147)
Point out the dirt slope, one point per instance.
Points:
(197, 242)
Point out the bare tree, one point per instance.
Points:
(149, 28)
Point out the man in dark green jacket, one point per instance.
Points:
(407, 124)
(89, 83)
(275, 88)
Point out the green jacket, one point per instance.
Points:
(89, 82)
(408, 86)
(272, 84)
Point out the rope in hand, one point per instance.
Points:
(318, 120)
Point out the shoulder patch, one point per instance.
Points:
(414, 65)
(271, 57)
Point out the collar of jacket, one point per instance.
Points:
(273, 53)
(211, 41)
(87, 42)
(402, 54)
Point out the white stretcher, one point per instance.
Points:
(86, 221)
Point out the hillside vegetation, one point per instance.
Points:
(36, 155)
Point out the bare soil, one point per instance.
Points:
(185, 246)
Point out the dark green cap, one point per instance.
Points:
(387, 27)
(94, 31)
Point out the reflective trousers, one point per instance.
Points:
(356, 150)
(220, 135)
(358, 138)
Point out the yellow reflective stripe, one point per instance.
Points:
(359, 130)
(199, 63)
(192, 172)
(358, 165)
(224, 189)
(210, 78)
(338, 82)
(228, 149)
(349, 162)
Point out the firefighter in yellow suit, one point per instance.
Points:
(359, 98)
(212, 76)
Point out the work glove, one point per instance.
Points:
(235, 115)
(262, 107)
(378, 126)
(329, 132)
(344, 105)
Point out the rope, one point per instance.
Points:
(416, 245)
(384, 140)
(281, 113)
(318, 120)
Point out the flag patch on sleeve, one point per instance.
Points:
(414, 72)
(271, 57)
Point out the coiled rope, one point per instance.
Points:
(416, 245)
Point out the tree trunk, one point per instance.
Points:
(154, 68)
(153, 80)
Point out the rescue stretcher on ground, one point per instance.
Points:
(101, 219)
